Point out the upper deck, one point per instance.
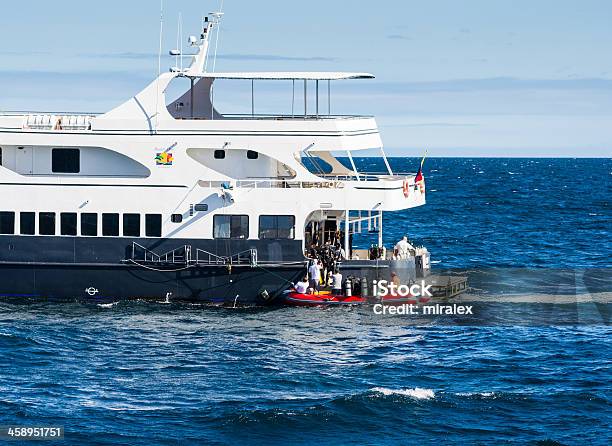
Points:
(194, 112)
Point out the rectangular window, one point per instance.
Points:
(89, 225)
(153, 223)
(131, 225)
(65, 160)
(68, 224)
(231, 226)
(110, 225)
(277, 227)
(7, 222)
(27, 223)
(0, 156)
(46, 223)
(252, 155)
(219, 154)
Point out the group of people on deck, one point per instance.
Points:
(323, 266)
(313, 281)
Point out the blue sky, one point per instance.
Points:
(469, 78)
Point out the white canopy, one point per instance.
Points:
(315, 76)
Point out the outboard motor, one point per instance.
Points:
(423, 263)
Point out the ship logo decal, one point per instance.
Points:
(165, 158)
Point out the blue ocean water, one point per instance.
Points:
(516, 212)
(142, 373)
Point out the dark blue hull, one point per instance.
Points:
(238, 286)
(102, 269)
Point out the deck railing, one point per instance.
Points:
(326, 182)
(184, 256)
(296, 116)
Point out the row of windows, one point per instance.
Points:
(224, 226)
(69, 160)
(270, 227)
(251, 155)
(88, 227)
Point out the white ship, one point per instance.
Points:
(171, 198)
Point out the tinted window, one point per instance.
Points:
(110, 225)
(68, 224)
(219, 154)
(277, 227)
(231, 226)
(0, 156)
(131, 225)
(66, 160)
(176, 218)
(27, 223)
(89, 225)
(7, 222)
(267, 227)
(46, 223)
(252, 155)
(153, 224)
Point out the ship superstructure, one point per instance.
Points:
(175, 199)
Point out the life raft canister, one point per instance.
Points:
(406, 188)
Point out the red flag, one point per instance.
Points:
(419, 180)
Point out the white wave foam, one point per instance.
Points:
(482, 394)
(417, 393)
(108, 305)
(126, 407)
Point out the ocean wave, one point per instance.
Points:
(416, 393)
(111, 305)
(127, 407)
(491, 395)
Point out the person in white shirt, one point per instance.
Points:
(314, 274)
(302, 286)
(336, 283)
(403, 248)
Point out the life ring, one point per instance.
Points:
(406, 188)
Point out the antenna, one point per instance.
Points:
(178, 43)
(159, 57)
(217, 17)
(178, 51)
(181, 37)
